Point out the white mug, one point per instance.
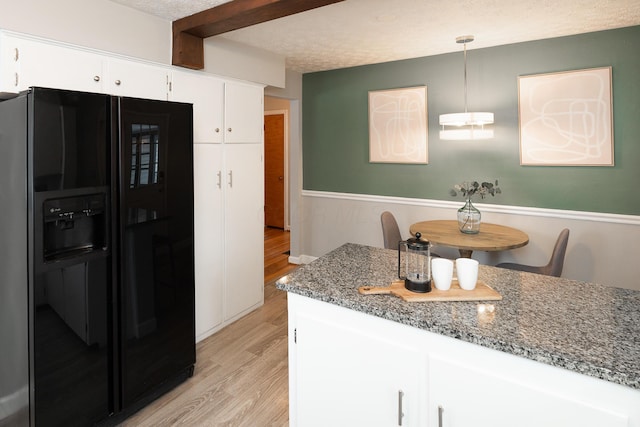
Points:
(442, 273)
(467, 270)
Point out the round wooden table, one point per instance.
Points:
(492, 237)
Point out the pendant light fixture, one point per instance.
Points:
(465, 126)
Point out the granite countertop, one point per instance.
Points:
(584, 327)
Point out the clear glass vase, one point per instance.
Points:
(469, 218)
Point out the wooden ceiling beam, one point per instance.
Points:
(189, 32)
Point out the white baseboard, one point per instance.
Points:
(302, 259)
(13, 402)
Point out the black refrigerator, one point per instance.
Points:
(96, 256)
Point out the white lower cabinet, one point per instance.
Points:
(345, 373)
(468, 394)
(209, 235)
(229, 236)
(346, 368)
(243, 180)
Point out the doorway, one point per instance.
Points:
(275, 165)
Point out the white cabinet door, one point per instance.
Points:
(243, 181)
(135, 79)
(471, 395)
(59, 67)
(9, 54)
(344, 377)
(208, 223)
(206, 94)
(244, 113)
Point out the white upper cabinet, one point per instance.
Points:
(243, 113)
(135, 79)
(48, 65)
(27, 62)
(8, 67)
(206, 94)
(223, 111)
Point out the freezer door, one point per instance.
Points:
(70, 256)
(14, 328)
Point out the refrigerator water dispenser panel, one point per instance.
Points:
(73, 226)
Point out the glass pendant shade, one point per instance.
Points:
(466, 119)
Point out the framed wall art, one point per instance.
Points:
(566, 118)
(398, 125)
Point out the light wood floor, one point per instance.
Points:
(241, 375)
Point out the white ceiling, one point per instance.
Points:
(359, 32)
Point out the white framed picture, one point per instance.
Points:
(566, 118)
(398, 125)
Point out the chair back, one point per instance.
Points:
(390, 230)
(556, 263)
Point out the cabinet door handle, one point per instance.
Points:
(229, 130)
(17, 79)
(96, 78)
(440, 411)
(117, 82)
(217, 130)
(400, 414)
(219, 179)
(230, 179)
(16, 54)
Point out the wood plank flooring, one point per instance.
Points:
(276, 254)
(241, 376)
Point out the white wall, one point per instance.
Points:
(602, 248)
(293, 92)
(98, 24)
(228, 58)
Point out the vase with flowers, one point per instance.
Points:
(469, 216)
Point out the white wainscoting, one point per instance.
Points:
(603, 248)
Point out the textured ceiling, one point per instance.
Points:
(360, 32)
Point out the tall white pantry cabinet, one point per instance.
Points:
(228, 131)
(229, 206)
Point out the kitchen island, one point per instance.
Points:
(552, 352)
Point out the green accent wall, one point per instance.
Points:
(336, 133)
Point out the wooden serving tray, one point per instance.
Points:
(482, 292)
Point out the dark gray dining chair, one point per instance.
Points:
(556, 263)
(391, 232)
